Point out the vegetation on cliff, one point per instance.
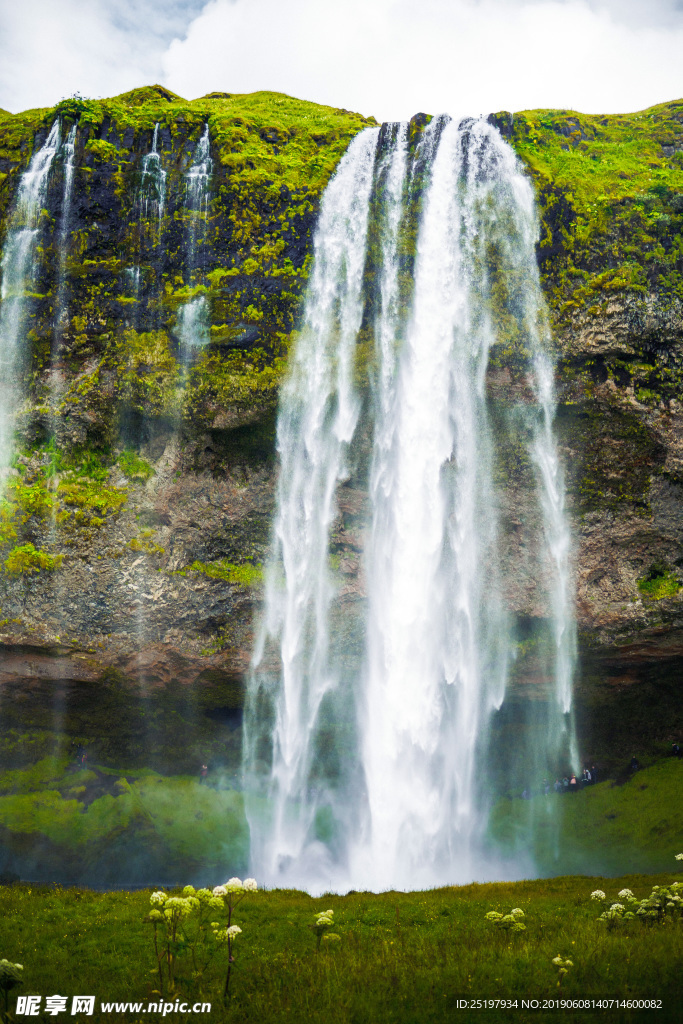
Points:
(611, 194)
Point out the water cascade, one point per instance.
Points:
(18, 268)
(193, 315)
(317, 422)
(68, 153)
(152, 195)
(373, 774)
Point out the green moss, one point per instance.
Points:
(659, 583)
(239, 380)
(105, 152)
(87, 503)
(610, 194)
(245, 575)
(150, 371)
(26, 559)
(133, 466)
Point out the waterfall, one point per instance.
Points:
(69, 163)
(193, 325)
(317, 421)
(373, 773)
(18, 268)
(152, 194)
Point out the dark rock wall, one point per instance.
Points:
(138, 513)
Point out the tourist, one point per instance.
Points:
(594, 774)
(586, 776)
(573, 784)
(565, 784)
(203, 772)
(675, 750)
(634, 764)
(558, 786)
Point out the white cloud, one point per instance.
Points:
(394, 57)
(53, 48)
(385, 57)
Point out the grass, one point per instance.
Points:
(606, 828)
(403, 957)
(60, 821)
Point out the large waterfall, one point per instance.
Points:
(371, 771)
(17, 273)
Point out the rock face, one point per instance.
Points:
(138, 511)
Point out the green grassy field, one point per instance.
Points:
(609, 828)
(401, 957)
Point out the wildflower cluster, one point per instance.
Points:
(183, 926)
(511, 922)
(323, 923)
(229, 896)
(563, 965)
(10, 975)
(665, 901)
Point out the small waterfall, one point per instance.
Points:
(375, 774)
(152, 194)
(317, 421)
(193, 317)
(18, 268)
(198, 190)
(68, 152)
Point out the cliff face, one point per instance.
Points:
(138, 511)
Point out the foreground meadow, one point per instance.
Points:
(412, 958)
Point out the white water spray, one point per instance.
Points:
(193, 317)
(152, 194)
(18, 268)
(317, 422)
(68, 151)
(405, 803)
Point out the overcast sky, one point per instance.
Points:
(389, 58)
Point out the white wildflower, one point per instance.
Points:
(233, 931)
(234, 885)
(220, 890)
(625, 894)
(517, 912)
(158, 897)
(250, 884)
(598, 895)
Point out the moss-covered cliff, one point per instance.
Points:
(137, 514)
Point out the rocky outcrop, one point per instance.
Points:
(147, 475)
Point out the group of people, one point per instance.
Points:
(570, 783)
(567, 784)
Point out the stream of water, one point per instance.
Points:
(375, 775)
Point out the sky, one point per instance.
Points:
(388, 58)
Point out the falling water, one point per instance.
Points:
(68, 152)
(193, 321)
(18, 268)
(317, 422)
(152, 194)
(405, 805)
(437, 629)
